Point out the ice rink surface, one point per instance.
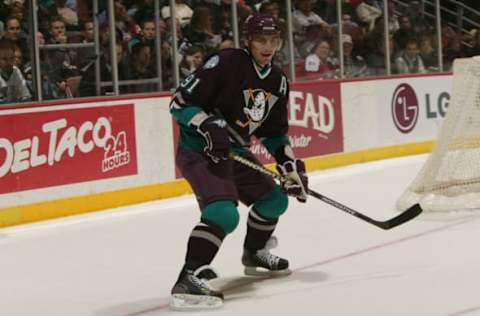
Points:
(123, 262)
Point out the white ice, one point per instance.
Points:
(123, 262)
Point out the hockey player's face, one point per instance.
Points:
(263, 47)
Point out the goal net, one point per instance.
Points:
(450, 178)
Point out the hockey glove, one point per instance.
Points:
(295, 180)
(214, 131)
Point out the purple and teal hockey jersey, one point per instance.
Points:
(253, 101)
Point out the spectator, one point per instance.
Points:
(369, 11)
(303, 16)
(192, 59)
(125, 23)
(228, 43)
(474, 50)
(282, 57)
(18, 58)
(376, 56)
(410, 61)
(144, 9)
(313, 34)
(419, 24)
(14, 33)
(140, 68)
(319, 63)
(86, 54)
(428, 51)
(404, 33)
(272, 8)
(182, 11)
(87, 84)
(352, 28)
(354, 65)
(393, 24)
(13, 87)
(57, 31)
(68, 15)
(200, 30)
(223, 24)
(146, 35)
(61, 61)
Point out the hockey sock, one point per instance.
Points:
(259, 230)
(203, 244)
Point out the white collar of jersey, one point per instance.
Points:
(262, 72)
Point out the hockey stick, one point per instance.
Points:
(401, 218)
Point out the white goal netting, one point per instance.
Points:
(450, 178)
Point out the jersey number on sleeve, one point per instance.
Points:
(189, 83)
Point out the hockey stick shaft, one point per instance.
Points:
(403, 217)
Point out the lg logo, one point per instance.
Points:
(405, 108)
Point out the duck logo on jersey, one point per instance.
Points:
(258, 105)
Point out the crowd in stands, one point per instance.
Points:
(204, 27)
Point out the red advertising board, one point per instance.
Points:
(55, 147)
(315, 118)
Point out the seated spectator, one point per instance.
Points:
(319, 63)
(139, 67)
(368, 11)
(393, 24)
(282, 56)
(303, 16)
(146, 35)
(57, 31)
(354, 65)
(18, 58)
(351, 28)
(404, 33)
(14, 33)
(88, 84)
(200, 30)
(140, 61)
(420, 25)
(375, 55)
(428, 52)
(272, 8)
(85, 54)
(142, 10)
(192, 59)
(313, 34)
(228, 43)
(61, 61)
(182, 11)
(13, 87)
(474, 49)
(17, 10)
(68, 15)
(410, 61)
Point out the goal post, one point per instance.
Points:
(450, 178)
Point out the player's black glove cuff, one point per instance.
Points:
(214, 131)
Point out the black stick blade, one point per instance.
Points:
(401, 218)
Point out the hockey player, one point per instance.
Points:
(237, 93)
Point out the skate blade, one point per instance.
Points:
(262, 272)
(189, 302)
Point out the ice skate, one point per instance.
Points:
(192, 293)
(263, 263)
(206, 273)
